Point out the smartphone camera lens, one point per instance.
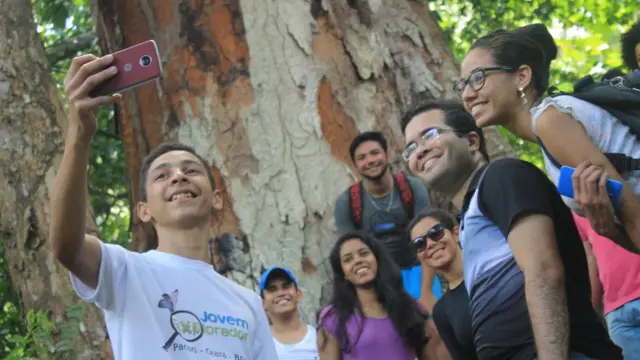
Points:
(145, 60)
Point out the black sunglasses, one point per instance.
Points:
(436, 233)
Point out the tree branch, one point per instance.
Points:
(66, 48)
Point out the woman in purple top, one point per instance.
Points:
(371, 316)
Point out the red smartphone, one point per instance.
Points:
(136, 65)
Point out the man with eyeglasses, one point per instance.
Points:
(383, 203)
(524, 264)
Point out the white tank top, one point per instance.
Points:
(606, 132)
(307, 349)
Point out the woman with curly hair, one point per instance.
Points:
(371, 316)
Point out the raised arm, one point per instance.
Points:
(568, 142)
(427, 297)
(78, 252)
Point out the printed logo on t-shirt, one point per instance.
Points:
(191, 328)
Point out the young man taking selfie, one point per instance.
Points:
(167, 303)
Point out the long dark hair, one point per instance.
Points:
(407, 318)
(530, 45)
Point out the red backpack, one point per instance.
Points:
(356, 193)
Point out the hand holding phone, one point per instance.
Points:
(565, 186)
(135, 66)
(84, 73)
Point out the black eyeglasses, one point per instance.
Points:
(436, 233)
(428, 136)
(477, 78)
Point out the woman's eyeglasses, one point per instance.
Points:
(436, 233)
(477, 78)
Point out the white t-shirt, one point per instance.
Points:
(155, 301)
(307, 349)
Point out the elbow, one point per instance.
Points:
(60, 251)
(56, 244)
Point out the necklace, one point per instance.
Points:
(373, 200)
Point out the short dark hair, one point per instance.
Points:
(376, 136)
(161, 150)
(455, 116)
(530, 45)
(442, 216)
(629, 41)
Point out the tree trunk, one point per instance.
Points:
(272, 92)
(31, 143)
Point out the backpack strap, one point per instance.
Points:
(355, 202)
(405, 193)
(624, 164)
(547, 154)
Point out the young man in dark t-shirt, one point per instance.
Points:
(524, 264)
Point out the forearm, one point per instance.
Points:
(629, 207)
(69, 199)
(547, 305)
(427, 298)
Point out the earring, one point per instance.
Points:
(523, 97)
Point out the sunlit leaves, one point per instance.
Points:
(108, 179)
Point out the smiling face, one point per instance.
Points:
(441, 253)
(280, 296)
(371, 160)
(439, 162)
(358, 262)
(179, 192)
(495, 101)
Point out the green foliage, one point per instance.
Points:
(63, 19)
(10, 321)
(32, 337)
(36, 341)
(69, 330)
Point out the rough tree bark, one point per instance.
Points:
(32, 121)
(272, 92)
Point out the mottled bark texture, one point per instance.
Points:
(32, 121)
(272, 92)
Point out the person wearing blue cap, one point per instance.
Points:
(294, 340)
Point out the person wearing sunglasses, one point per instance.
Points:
(525, 267)
(435, 239)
